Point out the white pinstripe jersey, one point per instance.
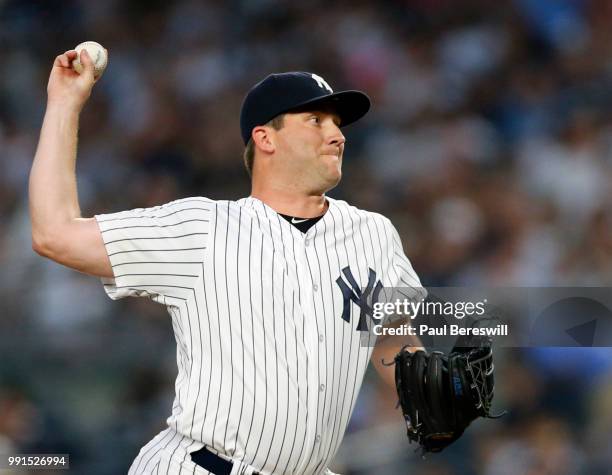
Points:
(268, 370)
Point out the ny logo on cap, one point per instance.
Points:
(321, 82)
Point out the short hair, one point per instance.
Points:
(249, 151)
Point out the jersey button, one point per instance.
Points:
(318, 439)
(321, 337)
(322, 388)
(307, 242)
(315, 287)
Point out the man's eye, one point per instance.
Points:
(315, 119)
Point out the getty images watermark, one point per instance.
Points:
(512, 317)
(387, 312)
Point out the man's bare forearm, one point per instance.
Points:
(53, 189)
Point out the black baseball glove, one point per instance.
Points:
(440, 395)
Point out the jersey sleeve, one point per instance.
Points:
(404, 281)
(156, 252)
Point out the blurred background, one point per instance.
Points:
(489, 146)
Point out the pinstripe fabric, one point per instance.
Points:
(268, 371)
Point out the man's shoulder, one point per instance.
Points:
(248, 205)
(168, 209)
(190, 199)
(364, 214)
(190, 205)
(207, 202)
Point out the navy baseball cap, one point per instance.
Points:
(283, 92)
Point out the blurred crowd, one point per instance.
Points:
(489, 146)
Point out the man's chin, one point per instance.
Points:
(333, 179)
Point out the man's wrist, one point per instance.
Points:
(64, 107)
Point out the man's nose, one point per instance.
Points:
(335, 136)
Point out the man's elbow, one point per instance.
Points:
(45, 245)
(40, 245)
(65, 246)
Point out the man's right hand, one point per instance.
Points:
(66, 87)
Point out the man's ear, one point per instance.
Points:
(262, 138)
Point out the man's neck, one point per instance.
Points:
(293, 204)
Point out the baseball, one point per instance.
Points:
(96, 52)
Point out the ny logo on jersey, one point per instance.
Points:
(321, 82)
(365, 299)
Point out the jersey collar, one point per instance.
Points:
(331, 203)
